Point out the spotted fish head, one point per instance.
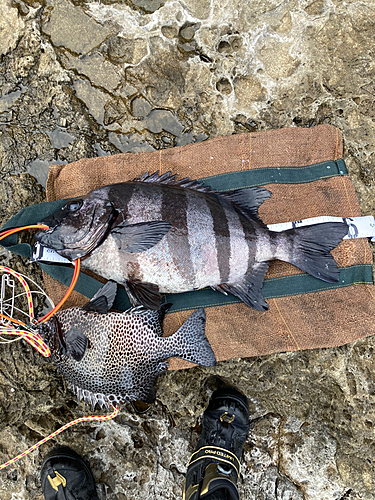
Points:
(78, 227)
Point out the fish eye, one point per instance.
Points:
(74, 205)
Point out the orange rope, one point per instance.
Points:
(33, 338)
(25, 286)
(12, 320)
(8, 232)
(73, 422)
(77, 266)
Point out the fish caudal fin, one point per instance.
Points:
(190, 341)
(311, 247)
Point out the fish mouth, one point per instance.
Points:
(52, 238)
(89, 241)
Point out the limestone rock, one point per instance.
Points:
(95, 78)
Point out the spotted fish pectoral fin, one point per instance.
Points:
(249, 290)
(143, 293)
(190, 341)
(103, 300)
(76, 343)
(135, 238)
(312, 246)
(248, 200)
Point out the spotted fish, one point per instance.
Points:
(160, 235)
(110, 358)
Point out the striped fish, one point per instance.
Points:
(156, 235)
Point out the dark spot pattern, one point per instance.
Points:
(126, 352)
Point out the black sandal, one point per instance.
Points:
(66, 476)
(214, 467)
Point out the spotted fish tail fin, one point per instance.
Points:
(190, 341)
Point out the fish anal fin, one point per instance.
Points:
(248, 200)
(249, 290)
(144, 293)
(103, 300)
(135, 238)
(76, 343)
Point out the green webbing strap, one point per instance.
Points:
(272, 288)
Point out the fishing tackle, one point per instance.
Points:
(29, 330)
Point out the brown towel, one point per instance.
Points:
(324, 318)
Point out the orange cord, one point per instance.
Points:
(12, 320)
(81, 419)
(8, 232)
(77, 266)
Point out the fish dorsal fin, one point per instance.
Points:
(76, 343)
(248, 200)
(103, 300)
(170, 180)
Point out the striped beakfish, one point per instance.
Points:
(110, 357)
(158, 235)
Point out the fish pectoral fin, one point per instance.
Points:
(76, 343)
(144, 293)
(135, 238)
(249, 290)
(103, 300)
(249, 200)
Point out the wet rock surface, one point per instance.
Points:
(86, 79)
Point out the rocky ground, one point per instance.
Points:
(86, 79)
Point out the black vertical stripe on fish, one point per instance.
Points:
(222, 236)
(252, 243)
(173, 210)
(126, 195)
(144, 205)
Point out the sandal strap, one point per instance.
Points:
(218, 454)
(213, 480)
